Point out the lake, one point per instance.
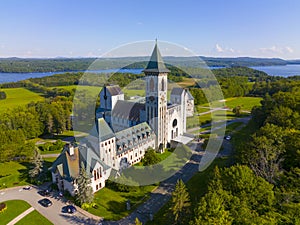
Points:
(13, 77)
(285, 71)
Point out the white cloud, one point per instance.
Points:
(219, 48)
(276, 50)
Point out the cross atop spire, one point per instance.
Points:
(156, 63)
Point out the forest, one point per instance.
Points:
(20, 65)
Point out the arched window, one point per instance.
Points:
(163, 85)
(151, 84)
(174, 123)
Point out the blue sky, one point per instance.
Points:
(73, 28)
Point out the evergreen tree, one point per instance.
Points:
(180, 201)
(37, 162)
(85, 191)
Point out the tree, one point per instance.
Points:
(237, 110)
(37, 162)
(180, 201)
(137, 222)
(85, 191)
(150, 157)
(2, 95)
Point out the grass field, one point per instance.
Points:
(13, 174)
(229, 128)
(246, 103)
(34, 218)
(14, 208)
(206, 118)
(18, 97)
(112, 204)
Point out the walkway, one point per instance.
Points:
(21, 216)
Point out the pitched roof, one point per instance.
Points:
(114, 90)
(190, 96)
(133, 136)
(128, 110)
(68, 165)
(104, 131)
(156, 63)
(177, 91)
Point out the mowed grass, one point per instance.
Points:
(13, 174)
(34, 218)
(14, 208)
(218, 115)
(18, 97)
(187, 82)
(247, 103)
(91, 90)
(112, 204)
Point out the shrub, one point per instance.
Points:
(3, 207)
(2, 95)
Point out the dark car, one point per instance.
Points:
(44, 193)
(69, 209)
(45, 202)
(27, 188)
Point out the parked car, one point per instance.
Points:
(69, 209)
(45, 202)
(228, 137)
(27, 188)
(44, 193)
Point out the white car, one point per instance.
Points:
(228, 137)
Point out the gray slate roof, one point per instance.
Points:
(104, 131)
(114, 90)
(156, 63)
(69, 165)
(177, 91)
(128, 110)
(133, 136)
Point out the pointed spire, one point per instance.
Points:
(156, 63)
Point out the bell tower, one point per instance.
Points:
(156, 96)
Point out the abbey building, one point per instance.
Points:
(126, 129)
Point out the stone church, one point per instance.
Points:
(126, 129)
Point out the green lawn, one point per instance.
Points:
(18, 97)
(13, 174)
(112, 204)
(197, 187)
(206, 118)
(34, 218)
(229, 128)
(247, 103)
(14, 208)
(92, 90)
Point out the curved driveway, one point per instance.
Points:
(52, 213)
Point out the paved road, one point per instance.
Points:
(244, 120)
(52, 213)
